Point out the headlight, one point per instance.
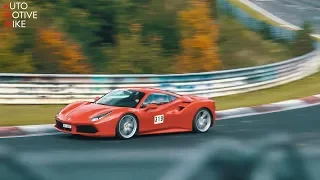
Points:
(98, 117)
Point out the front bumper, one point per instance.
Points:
(84, 129)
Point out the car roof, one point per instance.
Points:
(154, 90)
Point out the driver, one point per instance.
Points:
(160, 100)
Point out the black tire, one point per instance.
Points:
(122, 125)
(196, 119)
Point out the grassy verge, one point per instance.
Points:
(302, 88)
(28, 114)
(257, 15)
(240, 47)
(42, 114)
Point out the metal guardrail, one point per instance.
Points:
(66, 88)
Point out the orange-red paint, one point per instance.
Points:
(175, 119)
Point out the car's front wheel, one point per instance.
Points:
(127, 126)
(202, 120)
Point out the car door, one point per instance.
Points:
(162, 117)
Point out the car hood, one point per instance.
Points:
(84, 112)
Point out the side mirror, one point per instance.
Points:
(151, 106)
(96, 98)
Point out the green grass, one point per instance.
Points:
(301, 88)
(28, 114)
(43, 114)
(240, 47)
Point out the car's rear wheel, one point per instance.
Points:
(127, 126)
(202, 120)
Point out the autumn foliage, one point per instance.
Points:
(69, 56)
(199, 39)
(10, 60)
(132, 55)
(114, 37)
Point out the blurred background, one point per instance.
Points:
(144, 36)
(112, 37)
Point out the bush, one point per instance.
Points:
(303, 43)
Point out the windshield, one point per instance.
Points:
(121, 98)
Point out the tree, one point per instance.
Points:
(160, 18)
(214, 8)
(63, 55)
(131, 55)
(199, 39)
(12, 60)
(304, 42)
(89, 22)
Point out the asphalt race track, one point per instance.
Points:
(66, 157)
(294, 11)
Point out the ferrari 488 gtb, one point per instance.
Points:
(137, 111)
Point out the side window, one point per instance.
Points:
(158, 98)
(172, 98)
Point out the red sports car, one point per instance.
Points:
(137, 111)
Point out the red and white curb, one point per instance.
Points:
(48, 129)
(25, 131)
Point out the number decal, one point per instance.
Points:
(158, 119)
